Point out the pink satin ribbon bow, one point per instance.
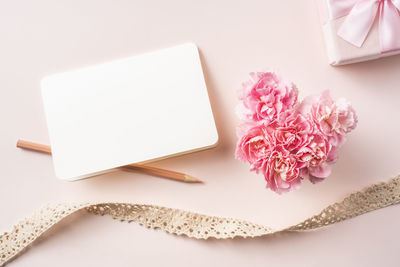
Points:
(360, 18)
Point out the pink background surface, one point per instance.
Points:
(235, 37)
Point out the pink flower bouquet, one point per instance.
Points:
(285, 140)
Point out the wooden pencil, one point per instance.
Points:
(178, 176)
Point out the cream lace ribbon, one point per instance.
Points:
(192, 224)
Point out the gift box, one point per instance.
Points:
(360, 30)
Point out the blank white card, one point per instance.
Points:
(137, 109)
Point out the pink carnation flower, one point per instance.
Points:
(265, 96)
(293, 131)
(282, 171)
(333, 119)
(255, 145)
(346, 117)
(316, 155)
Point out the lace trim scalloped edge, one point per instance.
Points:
(190, 224)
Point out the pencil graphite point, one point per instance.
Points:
(191, 179)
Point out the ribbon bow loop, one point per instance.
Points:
(362, 15)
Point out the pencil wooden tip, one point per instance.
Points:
(191, 179)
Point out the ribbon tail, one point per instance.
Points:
(358, 23)
(389, 27)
